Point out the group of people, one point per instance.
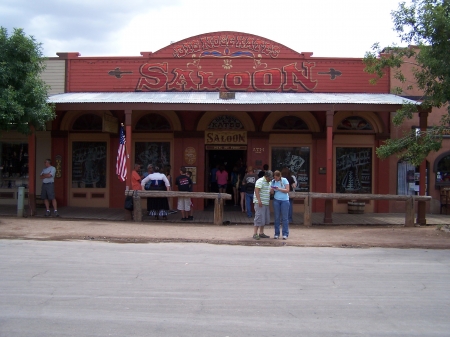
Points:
(277, 185)
(155, 180)
(255, 190)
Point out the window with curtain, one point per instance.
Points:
(405, 178)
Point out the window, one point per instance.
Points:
(89, 164)
(297, 159)
(443, 170)
(354, 123)
(88, 122)
(156, 153)
(13, 165)
(290, 123)
(152, 122)
(353, 170)
(408, 179)
(405, 178)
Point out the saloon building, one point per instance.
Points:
(222, 98)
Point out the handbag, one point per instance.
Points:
(129, 203)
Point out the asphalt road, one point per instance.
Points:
(173, 289)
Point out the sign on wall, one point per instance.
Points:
(225, 137)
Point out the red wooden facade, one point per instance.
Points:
(225, 62)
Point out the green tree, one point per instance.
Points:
(23, 94)
(425, 26)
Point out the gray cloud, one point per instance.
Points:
(71, 25)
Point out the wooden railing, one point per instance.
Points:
(218, 201)
(408, 199)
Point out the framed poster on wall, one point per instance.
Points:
(297, 159)
(353, 170)
(192, 169)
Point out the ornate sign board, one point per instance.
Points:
(224, 62)
(190, 155)
(225, 137)
(110, 123)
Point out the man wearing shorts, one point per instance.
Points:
(184, 184)
(261, 199)
(48, 187)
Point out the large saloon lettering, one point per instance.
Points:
(155, 77)
(295, 77)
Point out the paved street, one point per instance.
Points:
(174, 289)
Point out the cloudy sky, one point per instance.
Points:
(328, 28)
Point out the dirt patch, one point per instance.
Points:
(350, 237)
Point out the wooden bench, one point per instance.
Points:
(308, 196)
(218, 201)
(445, 199)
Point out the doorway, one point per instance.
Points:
(229, 159)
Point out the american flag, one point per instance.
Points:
(121, 164)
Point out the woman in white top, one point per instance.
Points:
(157, 207)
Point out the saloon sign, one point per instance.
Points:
(291, 77)
(227, 62)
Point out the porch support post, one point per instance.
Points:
(129, 138)
(421, 205)
(32, 173)
(329, 202)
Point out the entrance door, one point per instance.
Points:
(229, 159)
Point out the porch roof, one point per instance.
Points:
(241, 98)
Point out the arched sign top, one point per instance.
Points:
(228, 44)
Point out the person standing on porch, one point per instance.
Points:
(48, 187)
(184, 184)
(136, 178)
(157, 207)
(261, 200)
(222, 179)
(248, 184)
(235, 182)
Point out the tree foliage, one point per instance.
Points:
(425, 26)
(23, 94)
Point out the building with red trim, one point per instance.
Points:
(220, 98)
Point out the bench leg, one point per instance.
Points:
(218, 211)
(421, 209)
(308, 211)
(409, 214)
(137, 209)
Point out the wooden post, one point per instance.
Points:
(137, 209)
(421, 205)
(308, 210)
(32, 173)
(218, 211)
(409, 214)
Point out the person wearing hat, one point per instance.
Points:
(261, 201)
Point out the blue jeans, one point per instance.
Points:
(291, 205)
(281, 212)
(249, 203)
